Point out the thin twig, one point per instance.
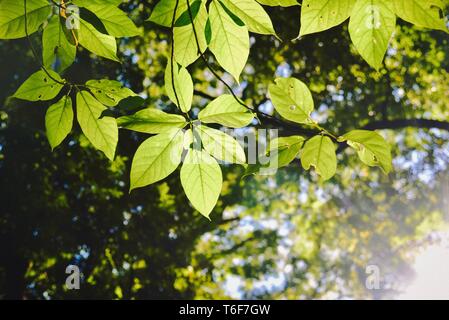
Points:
(172, 58)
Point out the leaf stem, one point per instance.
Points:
(324, 131)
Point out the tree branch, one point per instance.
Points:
(401, 124)
(203, 95)
(407, 123)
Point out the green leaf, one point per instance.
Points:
(252, 14)
(371, 147)
(116, 22)
(208, 31)
(162, 13)
(102, 133)
(371, 26)
(184, 18)
(221, 145)
(281, 3)
(96, 42)
(426, 14)
(292, 99)
(202, 180)
(59, 121)
(186, 49)
(320, 15)
(152, 121)
(12, 17)
(183, 86)
(230, 42)
(286, 149)
(226, 111)
(57, 51)
(109, 92)
(319, 152)
(39, 86)
(156, 158)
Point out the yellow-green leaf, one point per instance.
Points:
(162, 13)
(183, 86)
(40, 86)
(292, 99)
(229, 42)
(423, 13)
(371, 148)
(226, 111)
(252, 14)
(371, 26)
(96, 42)
(101, 132)
(116, 22)
(109, 92)
(284, 150)
(151, 120)
(12, 17)
(221, 145)
(202, 180)
(186, 48)
(319, 152)
(59, 121)
(320, 15)
(57, 51)
(156, 158)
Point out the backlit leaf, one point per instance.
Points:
(221, 145)
(156, 158)
(292, 99)
(371, 147)
(320, 15)
(371, 26)
(39, 86)
(183, 85)
(152, 121)
(102, 133)
(12, 17)
(285, 149)
(186, 48)
(59, 121)
(226, 111)
(109, 92)
(57, 51)
(427, 13)
(229, 42)
(202, 180)
(319, 152)
(252, 14)
(96, 42)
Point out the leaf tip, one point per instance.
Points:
(206, 216)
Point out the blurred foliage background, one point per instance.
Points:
(281, 236)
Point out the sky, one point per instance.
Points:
(432, 275)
